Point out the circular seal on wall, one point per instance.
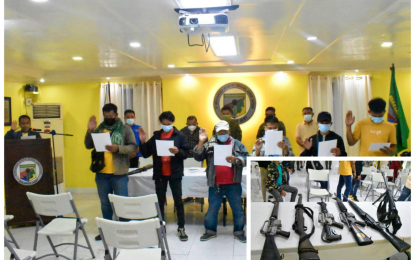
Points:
(239, 98)
(28, 171)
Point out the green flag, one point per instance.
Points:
(396, 115)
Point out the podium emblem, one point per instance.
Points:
(28, 171)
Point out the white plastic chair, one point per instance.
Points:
(58, 205)
(138, 208)
(318, 175)
(18, 254)
(6, 227)
(376, 177)
(402, 181)
(368, 180)
(136, 236)
(389, 173)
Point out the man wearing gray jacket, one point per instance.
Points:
(223, 180)
(111, 167)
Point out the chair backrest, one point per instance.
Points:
(318, 175)
(51, 205)
(404, 178)
(366, 171)
(130, 235)
(191, 162)
(255, 171)
(384, 167)
(146, 161)
(134, 207)
(377, 177)
(388, 172)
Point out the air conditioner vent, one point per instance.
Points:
(46, 111)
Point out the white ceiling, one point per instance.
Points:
(42, 38)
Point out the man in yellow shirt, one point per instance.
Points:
(346, 169)
(373, 130)
(305, 129)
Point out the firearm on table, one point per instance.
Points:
(270, 250)
(306, 250)
(328, 235)
(350, 221)
(391, 215)
(398, 243)
(142, 169)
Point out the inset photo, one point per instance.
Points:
(330, 209)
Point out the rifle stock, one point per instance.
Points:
(270, 250)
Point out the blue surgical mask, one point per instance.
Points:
(377, 120)
(167, 128)
(223, 138)
(130, 121)
(307, 117)
(324, 128)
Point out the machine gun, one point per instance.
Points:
(270, 250)
(328, 235)
(350, 221)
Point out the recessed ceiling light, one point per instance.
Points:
(42, 80)
(171, 66)
(223, 46)
(311, 38)
(357, 70)
(108, 78)
(135, 44)
(187, 75)
(386, 44)
(39, 1)
(77, 58)
(290, 62)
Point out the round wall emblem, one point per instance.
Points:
(28, 171)
(239, 98)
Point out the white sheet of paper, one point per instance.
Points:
(325, 147)
(163, 147)
(220, 153)
(28, 137)
(378, 146)
(272, 138)
(101, 140)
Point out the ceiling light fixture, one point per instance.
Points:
(42, 80)
(357, 70)
(171, 66)
(77, 58)
(290, 62)
(39, 1)
(135, 44)
(108, 78)
(223, 46)
(311, 38)
(386, 44)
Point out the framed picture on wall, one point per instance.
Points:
(7, 111)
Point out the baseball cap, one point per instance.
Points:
(221, 125)
(324, 116)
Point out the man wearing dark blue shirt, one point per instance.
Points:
(129, 118)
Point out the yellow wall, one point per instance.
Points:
(381, 87)
(15, 90)
(194, 96)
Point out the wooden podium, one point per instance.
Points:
(24, 161)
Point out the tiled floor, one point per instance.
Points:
(224, 247)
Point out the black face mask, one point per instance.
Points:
(109, 121)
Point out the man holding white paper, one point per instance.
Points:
(225, 158)
(110, 166)
(169, 148)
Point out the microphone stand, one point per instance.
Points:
(53, 133)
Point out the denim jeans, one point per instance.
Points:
(356, 185)
(176, 190)
(288, 178)
(343, 179)
(233, 193)
(107, 184)
(324, 184)
(406, 193)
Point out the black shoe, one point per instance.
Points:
(298, 169)
(182, 234)
(207, 237)
(241, 238)
(98, 238)
(355, 198)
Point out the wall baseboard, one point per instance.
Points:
(82, 190)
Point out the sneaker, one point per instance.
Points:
(362, 188)
(241, 238)
(350, 196)
(355, 199)
(98, 238)
(207, 237)
(182, 234)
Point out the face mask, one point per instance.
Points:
(109, 121)
(167, 128)
(223, 138)
(307, 117)
(324, 128)
(191, 127)
(130, 121)
(377, 120)
(226, 117)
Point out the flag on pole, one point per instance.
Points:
(396, 114)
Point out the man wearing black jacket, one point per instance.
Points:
(25, 124)
(168, 169)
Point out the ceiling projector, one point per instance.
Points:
(203, 23)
